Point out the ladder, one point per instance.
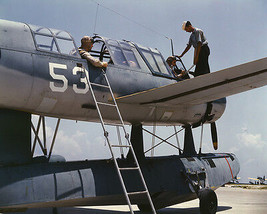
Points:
(113, 146)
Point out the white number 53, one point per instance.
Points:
(62, 78)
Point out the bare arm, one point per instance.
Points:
(95, 62)
(185, 50)
(197, 51)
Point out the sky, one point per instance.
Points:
(236, 32)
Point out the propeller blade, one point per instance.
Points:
(214, 135)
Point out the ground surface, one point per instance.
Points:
(231, 201)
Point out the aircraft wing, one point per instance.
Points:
(255, 179)
(205, 88)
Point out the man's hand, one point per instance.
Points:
(183, 72)
(104, 64)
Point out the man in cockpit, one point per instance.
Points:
(86, 46)
(178, 73)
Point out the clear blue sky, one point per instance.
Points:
(236, 32)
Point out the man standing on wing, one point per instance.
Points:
(202, 51)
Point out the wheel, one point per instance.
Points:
(55, 210)
(144, 207)
(208, 202)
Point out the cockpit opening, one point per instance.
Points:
(100, 51)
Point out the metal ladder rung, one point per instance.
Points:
(99, 85)
(129, 168)
(121, 146)
(137, 193)
(106, 104)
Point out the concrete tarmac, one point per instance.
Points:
(230, 201)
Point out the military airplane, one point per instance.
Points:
(259, 180)
(235, 180)
(43, 74)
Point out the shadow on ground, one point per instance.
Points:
(194, 210)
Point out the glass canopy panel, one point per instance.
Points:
(66, 46)
(112, 42)
(118, 56)
(46, 43)
(125, 45)
(131, 58)
(141, 62)
(41, 30)
(151, 60)
(61, 34)
(161, 64)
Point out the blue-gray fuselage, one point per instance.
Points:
(51, 83)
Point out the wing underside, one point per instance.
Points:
(205, 88)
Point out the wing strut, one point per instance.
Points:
(43, 145)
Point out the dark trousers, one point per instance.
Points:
(202, 66)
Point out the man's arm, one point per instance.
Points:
(95, 62)
(198, 37)
(185, 50)
(197, 51)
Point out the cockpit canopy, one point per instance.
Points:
(52, 40)
(130, 55)
(124, 54)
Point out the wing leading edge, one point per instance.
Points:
(203, 89)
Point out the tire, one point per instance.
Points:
(55, 210)
(208, 201)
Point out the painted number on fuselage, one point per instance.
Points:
(62, 78)
(83, 80)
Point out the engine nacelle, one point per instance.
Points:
(217, 109)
